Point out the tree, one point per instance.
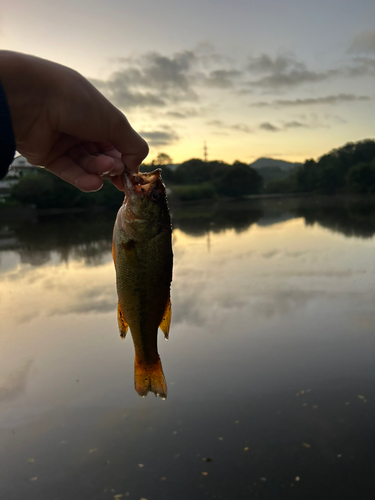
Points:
(162, 159)
(240, 180)
(194, 171)
(307, 176)
(361, 177)
(341, 170)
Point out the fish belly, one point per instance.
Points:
(143, 278)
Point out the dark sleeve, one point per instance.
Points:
(7, 142)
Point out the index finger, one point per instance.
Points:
(132, 146)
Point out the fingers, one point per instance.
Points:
(132, 162)
(92, 118)
(86, 165)
(69, 171)
(90, 159)
(132, 146)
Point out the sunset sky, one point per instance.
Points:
(288, 79)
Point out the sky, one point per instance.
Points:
(287, 79)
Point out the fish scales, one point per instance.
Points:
(143, 307)
(143, 258)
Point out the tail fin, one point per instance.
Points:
(149, 378)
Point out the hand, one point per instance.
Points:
(60, 121)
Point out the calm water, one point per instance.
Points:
(270, 363)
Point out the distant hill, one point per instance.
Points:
(270, 162)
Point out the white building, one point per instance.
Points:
(19, 167)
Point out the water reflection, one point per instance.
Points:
(69, 237)
(271, 346)
(14, 383)
(351, 217)
(88, 236)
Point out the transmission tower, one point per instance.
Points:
(205, 151)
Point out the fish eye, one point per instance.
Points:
(155, 195)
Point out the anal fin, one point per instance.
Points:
(122, 324)
(166, 321)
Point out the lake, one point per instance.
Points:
(270, 363)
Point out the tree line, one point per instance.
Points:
(192, 180)
(196, 179)
(349, 169)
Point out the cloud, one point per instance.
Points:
(312, 101)
(284, 71)
(124, 98)
(175, 82)
(293, 78)
(153, 70)
(295, 124)
(151, 80)
(222, 78)
(360, 66)
(265, 64)
(161, 137)
(239, 127)
(335, 118)
(364, 42)
(269, 127)
(156, 80)
(183, 113)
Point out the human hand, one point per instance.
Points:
(60, 121)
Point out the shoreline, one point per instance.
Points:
(31, 212)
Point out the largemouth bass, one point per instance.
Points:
(142, 252)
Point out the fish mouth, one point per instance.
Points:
(143, 184)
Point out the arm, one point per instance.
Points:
(60, 121)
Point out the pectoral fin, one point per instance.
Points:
(122, 324)
(166, 321)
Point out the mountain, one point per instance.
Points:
(270, 162)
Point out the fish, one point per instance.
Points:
(143, 258)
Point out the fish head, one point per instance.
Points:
(145, 207)
(143, 185)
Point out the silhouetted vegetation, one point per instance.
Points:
(195, 179)
(349, 169)
(45, 190)
(272, 174)
(193, 192)
(239, 180)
